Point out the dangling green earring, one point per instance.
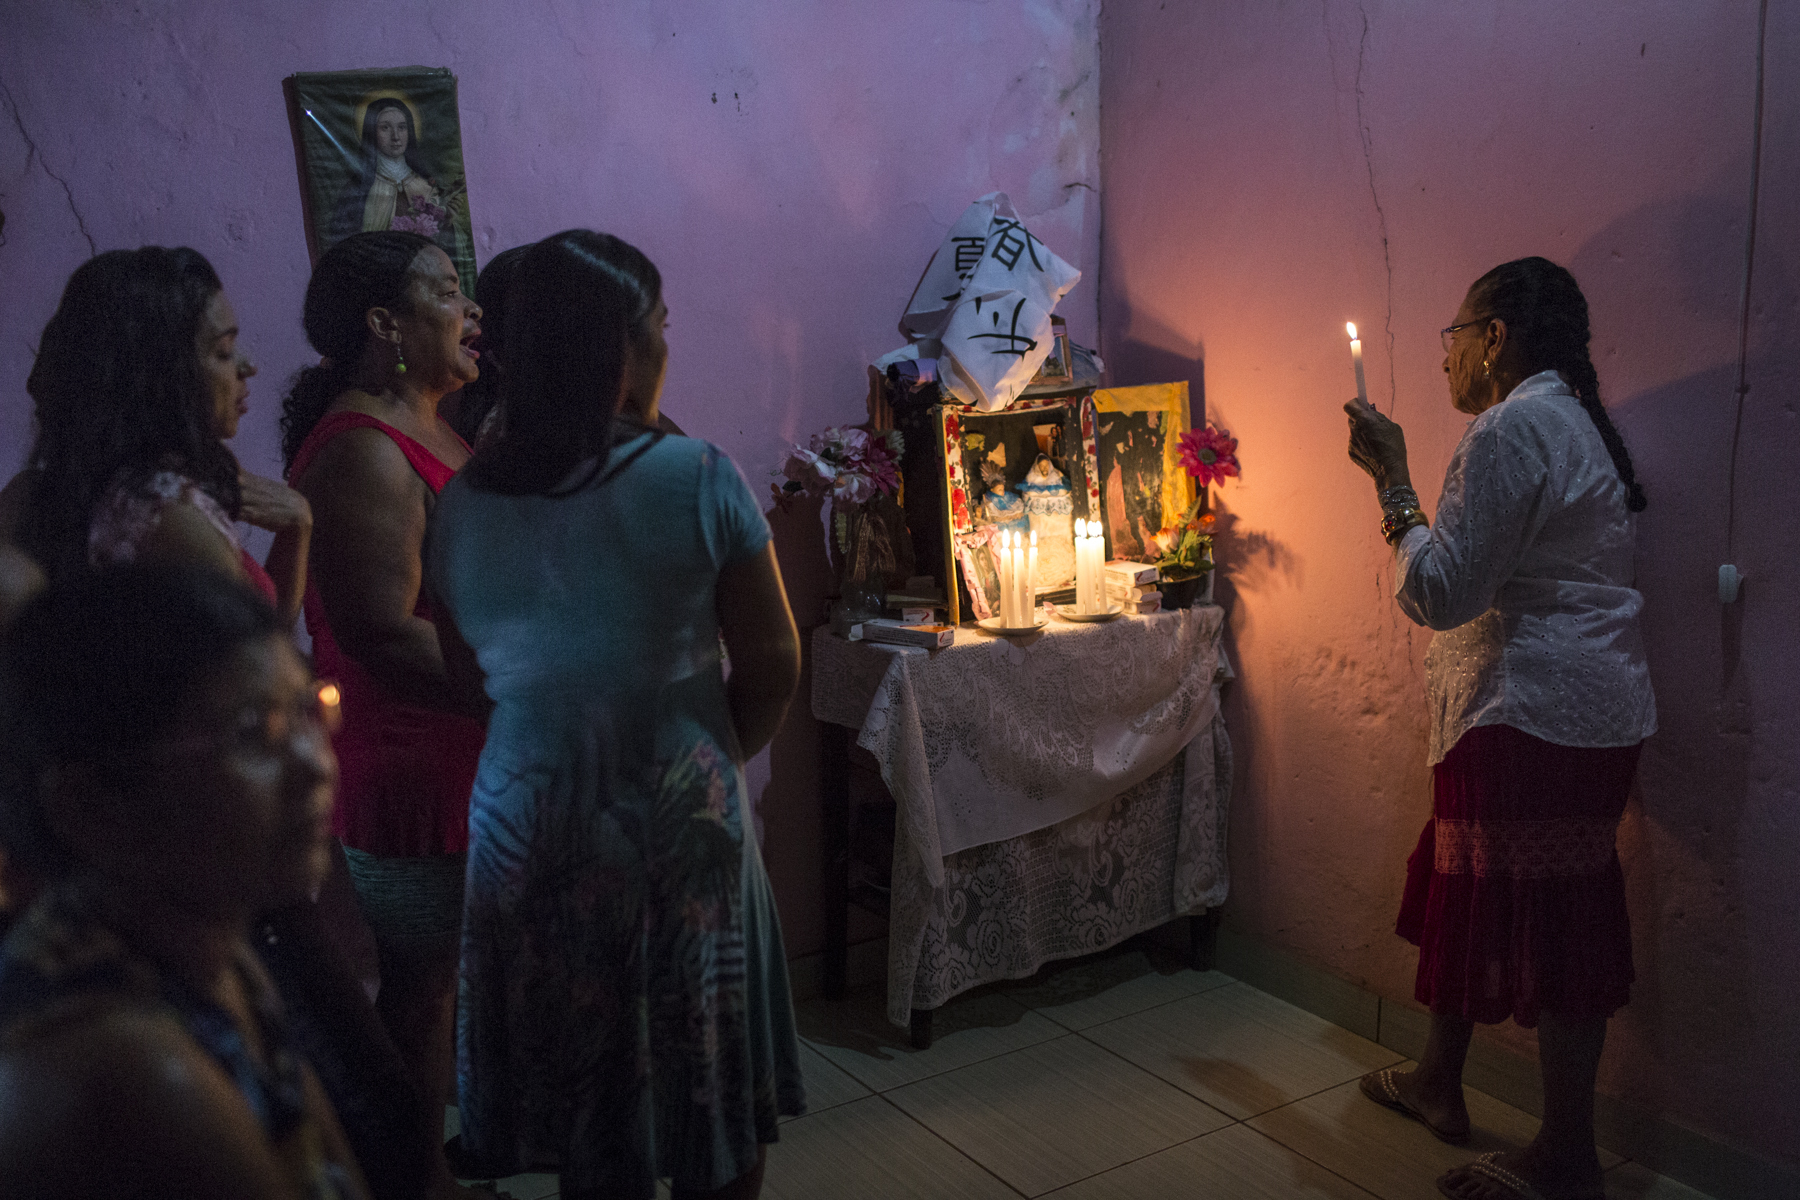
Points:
(399, 360)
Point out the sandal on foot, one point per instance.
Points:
(1380, 1087)
(1488, 1169)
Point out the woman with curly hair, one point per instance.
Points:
(138, 384)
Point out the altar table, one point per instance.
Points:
(1054, 794)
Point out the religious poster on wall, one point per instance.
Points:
(380, 150)
(1136, 434)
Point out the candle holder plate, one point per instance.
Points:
(1069, 615)
(992, 625)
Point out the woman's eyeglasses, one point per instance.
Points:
(269, 730)
(1447, 334)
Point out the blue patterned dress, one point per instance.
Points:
(624, 1004)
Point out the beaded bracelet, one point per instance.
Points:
(1399, 496)
(1396, 521)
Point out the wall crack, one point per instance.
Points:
(32, 154)
(1368, 149)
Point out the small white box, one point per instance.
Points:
(1131, 574)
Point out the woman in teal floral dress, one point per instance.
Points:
(625, 1012)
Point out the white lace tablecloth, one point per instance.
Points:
(1045, 807)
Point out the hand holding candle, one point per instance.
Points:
(1362, 384)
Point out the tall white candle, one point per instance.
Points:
(1097, 560)
(1081, 568)
(1031, 582)
(1084, 568)
(1006, 580)
(1362, 385)
(1096, 568)
(1021, 583)
(1086, 554)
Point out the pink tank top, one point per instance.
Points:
(404, 771)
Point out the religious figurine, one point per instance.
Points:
(1001, 507)
(1050, 507)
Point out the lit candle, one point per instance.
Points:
(1362, 385)
(1084, 567)
(1096, 569)
(1006, 580)
(1081, 571)
(1021, 584)
(1031, 582)
(1087, 559)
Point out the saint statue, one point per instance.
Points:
(1050, 508)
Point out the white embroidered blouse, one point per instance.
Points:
(1527, 576)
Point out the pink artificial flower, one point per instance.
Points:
(852, 489)
(1209, 455)
(424, 224)
(809, 470)
(883, 470)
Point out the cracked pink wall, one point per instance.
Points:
(790, 219)
(1273, 170)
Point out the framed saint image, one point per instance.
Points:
(382, 150)
(1135, 437)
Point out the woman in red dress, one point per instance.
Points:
(366, 446)
(1540, 701)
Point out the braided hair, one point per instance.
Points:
(1544, 308)
(364, 271)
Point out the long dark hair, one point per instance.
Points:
(119, 395)
(364, 271)
(369, 153)
(1543, 307)
(96, 669)
(478, 399)
(578, 303)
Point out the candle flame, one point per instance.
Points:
(1351, 326)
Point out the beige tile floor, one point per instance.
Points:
(1112, 1078)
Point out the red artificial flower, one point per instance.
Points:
(1209, 455)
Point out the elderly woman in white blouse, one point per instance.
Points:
(1540, 701)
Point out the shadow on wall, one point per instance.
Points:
(1133, 363)
(1703, 850)
(787, 805)
(1250, 560)
(1691, 889)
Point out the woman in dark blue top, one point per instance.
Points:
(167, 771)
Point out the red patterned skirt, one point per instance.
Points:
(1514, 895)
